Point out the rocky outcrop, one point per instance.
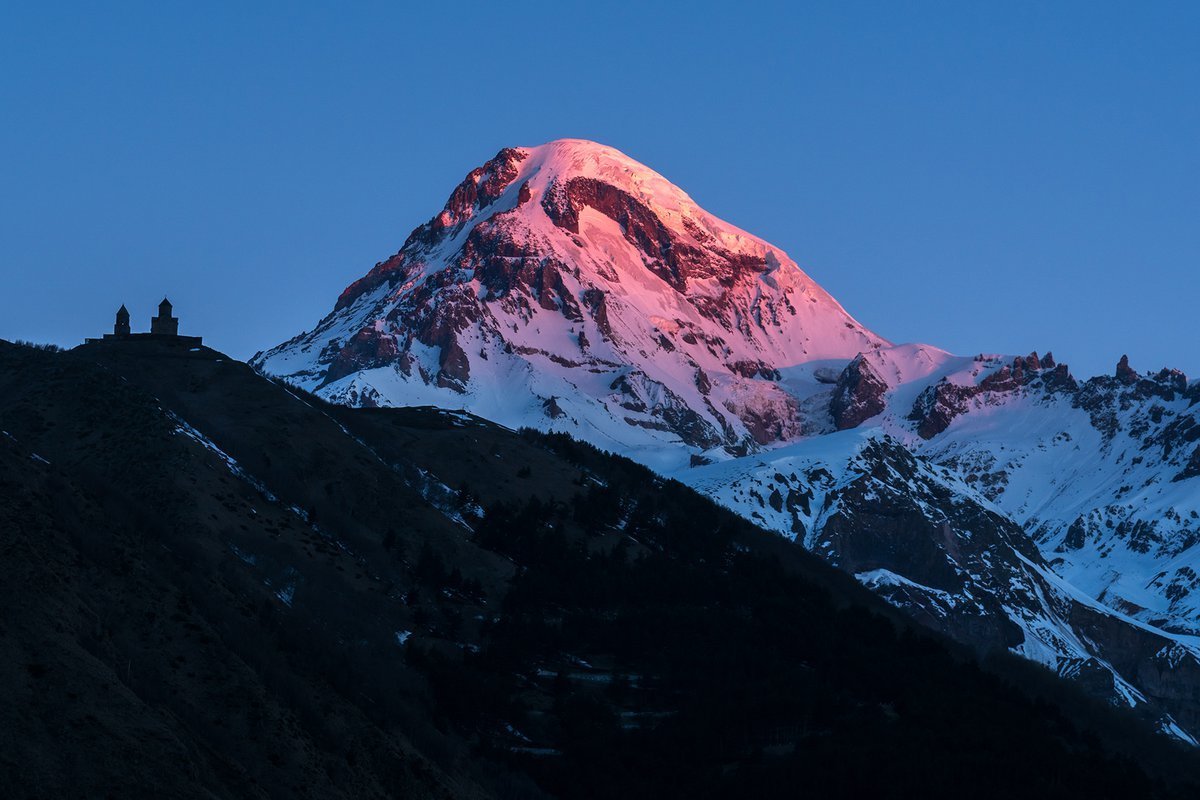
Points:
(938, 405)
(770, 415)
(1139, 398)
(1191, 469)
(665, 253)
(858, 395)
(659, 408)
(1125, 373)
(367, 349)
(552, 408)
(482, 187)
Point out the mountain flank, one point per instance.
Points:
(218, 586)
(996, 497)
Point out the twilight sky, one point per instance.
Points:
(983, 176)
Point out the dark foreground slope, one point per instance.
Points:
(213, 587)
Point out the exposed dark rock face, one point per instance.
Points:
(775, 419)
(754, 369)
(1125, 373)
(1191, 469)
(596, 302)
(482, 187)
(1076, 534)
(883, 523)
(552, 408)
(937, 406)
(672, 260)
(858, 395)
(366, 350)
(456, 367)
(1059, 379)
(511, 271)
(1107, 398)
(638, 393)
(389, 271)
(1173, 380)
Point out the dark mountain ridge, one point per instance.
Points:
(217, 586)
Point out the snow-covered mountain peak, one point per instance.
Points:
(568, 283)
(563, 160)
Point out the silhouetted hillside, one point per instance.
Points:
(215, 586)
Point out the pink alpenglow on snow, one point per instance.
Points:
(599, 295)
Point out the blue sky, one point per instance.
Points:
(980, 176)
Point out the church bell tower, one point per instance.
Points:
(121, 328)
(164, 324)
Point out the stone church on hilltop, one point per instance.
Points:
(163, 328)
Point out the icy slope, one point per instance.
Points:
(1102, 476)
